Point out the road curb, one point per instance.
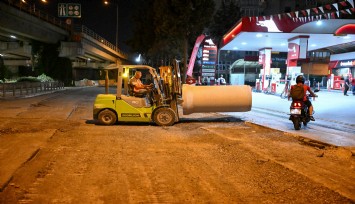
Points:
(314, 143)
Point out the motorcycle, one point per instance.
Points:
(299, 113)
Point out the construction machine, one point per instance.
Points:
(160, 105)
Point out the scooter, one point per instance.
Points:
(299, 113)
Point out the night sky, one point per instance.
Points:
(99, 17)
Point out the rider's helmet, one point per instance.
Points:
(300, 79)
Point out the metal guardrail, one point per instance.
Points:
(31, 9)
(28, 88)
(87, 31)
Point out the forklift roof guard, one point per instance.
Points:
(120, 68)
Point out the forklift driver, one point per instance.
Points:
(138, 87)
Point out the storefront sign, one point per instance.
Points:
(208, 62)
(208, 74)
(347, 63)
(208, 70)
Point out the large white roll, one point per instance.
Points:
(202, 99)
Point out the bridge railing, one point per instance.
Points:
(89, 32)
(31, 9)
(28, 88)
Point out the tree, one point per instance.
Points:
(175, 25)
(47, 61)
(226, 16)
(143, 30)
(184, 20)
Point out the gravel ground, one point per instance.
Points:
(205, 158)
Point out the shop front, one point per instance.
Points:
(339, 70)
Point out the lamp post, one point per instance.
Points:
(106, 2)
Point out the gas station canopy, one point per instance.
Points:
(258, 32)
(330, 27)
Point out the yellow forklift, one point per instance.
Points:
(158, 106)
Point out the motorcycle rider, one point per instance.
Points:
(300, 82)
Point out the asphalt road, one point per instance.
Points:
(51, 151)
(334, 114)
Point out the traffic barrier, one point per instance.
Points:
(27, 88)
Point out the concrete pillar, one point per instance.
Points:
(297, 49)
(265, 60)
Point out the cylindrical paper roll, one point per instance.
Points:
(202, 99)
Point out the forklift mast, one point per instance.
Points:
(171, 85)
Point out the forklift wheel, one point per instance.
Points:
(164, 117)
(107, 117)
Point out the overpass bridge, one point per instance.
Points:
(21, 25)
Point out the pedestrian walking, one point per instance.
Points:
(353, 85)
(285, 91)
(346, 86)
(221, 80)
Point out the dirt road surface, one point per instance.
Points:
(51, 151)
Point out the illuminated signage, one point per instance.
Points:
(208, 67)
(347, 63)
(269, 24)
(209, 57)
(293, 51)
(69, 10)
(208, 74)
(208, 70)
(209, 46)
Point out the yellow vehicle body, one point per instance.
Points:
(126, 109)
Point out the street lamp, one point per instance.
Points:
(29, 2)
(106, 2)
(25, 1)
(138, 59)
